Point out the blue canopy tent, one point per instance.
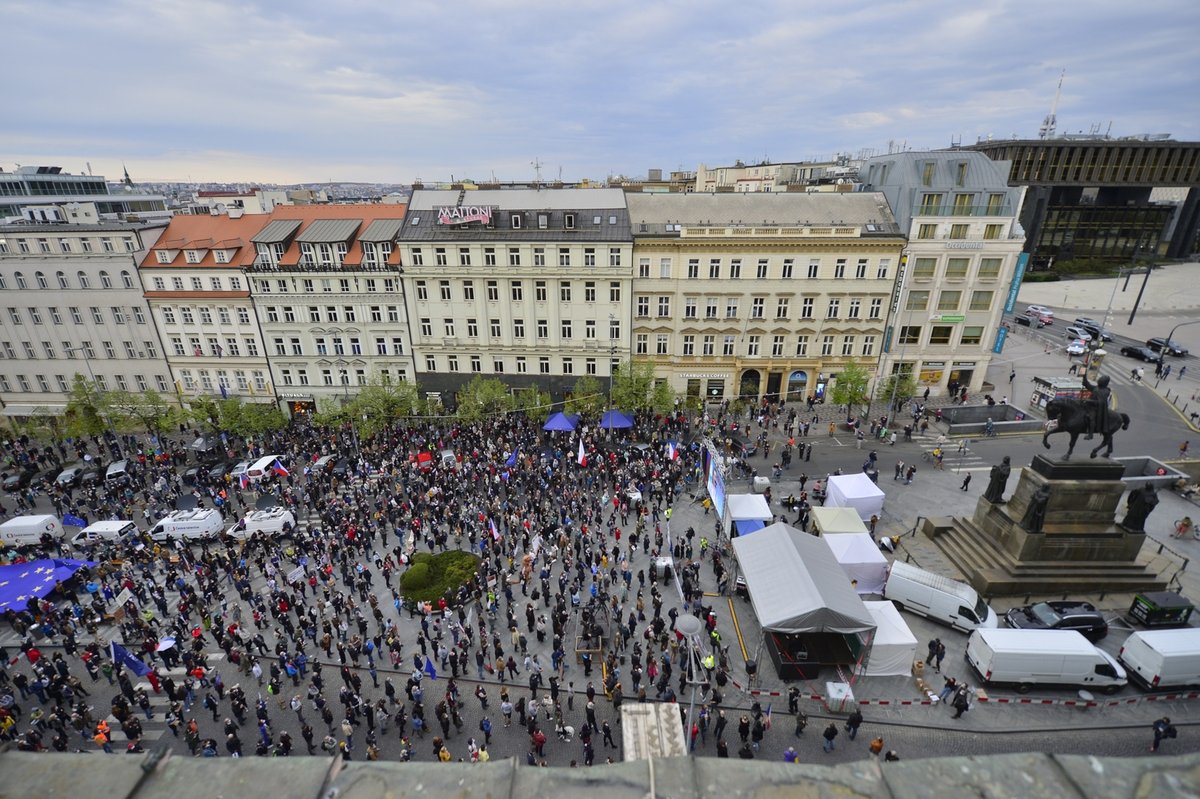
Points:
(561, 422)
(36, 578)
(747, 526)
(613, 420)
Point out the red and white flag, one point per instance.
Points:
(581, 459)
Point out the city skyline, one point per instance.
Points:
(311, 92)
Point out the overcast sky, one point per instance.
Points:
(394, 90)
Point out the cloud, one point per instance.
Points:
(384, 91)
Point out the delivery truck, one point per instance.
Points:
(27, 531)
(1026, 658)
(1163, 658)
(937, 597)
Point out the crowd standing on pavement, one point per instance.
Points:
(240, 637)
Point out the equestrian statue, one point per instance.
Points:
(1095, 415)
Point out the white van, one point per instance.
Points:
(271, 522)
(27, 531)
(1042, 657)
(115, 531)
(116, 472)
(1162, 658)
(188, 525)
(937, 597)
(261, 467)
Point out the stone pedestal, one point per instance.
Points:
(1080, 545)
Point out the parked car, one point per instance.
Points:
(1028, 321)
(46, 477)
(1141, 353)
(742, 447)
(1172, 347)
(1095, 328)
(1077, 347)
(92, 475)
(20, 479)
(323, 463)
(1075, 331)
(340, 469)
(71, 475)
(219, 470)
(1079, 616)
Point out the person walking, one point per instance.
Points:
(960, 702)
(932, 647)
(1163, 728)
(939, 656)
(831, 732)
(1183, 449)
(966, 482)
(853, 723)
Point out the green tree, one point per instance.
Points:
(900, 385)
(84, 415)
(483, 397)
(205, 412)
(588, 398)
(330, 413)
(534, 402)
(257, 419)
(851, 386)
(149, 409)
(380, 403)
(633, 386)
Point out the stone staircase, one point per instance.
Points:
(994, 572)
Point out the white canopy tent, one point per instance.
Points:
(825, 521)
(746, 508)
(796, 585)
(860, 559)
(855, 491)
(894, 647)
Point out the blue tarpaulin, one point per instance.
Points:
(36, 578)
(747, 526)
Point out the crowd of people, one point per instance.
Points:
(579, 586)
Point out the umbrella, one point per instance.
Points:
(615, 419)
(560, 422)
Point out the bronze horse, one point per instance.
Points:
(1071, 416)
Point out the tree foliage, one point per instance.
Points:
(633, 386)
(900, 385)
(535, 403)
(483, 397)
(84, 415)
(382, 402)
(149, 409)
(851, 386)
(588, 398)
(244, 419)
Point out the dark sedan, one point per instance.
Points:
(1172, 347)
(1141, 353)
(18, 480)
(1079, 616)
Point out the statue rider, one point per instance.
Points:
(1097, 406)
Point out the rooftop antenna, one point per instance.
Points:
(1046, 131)
(537, 170)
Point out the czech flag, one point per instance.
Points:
(244, 480)
(581, 458)
(494, 531)
(672, 451)
(278, 468)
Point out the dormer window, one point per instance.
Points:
(543, 221)
(192, 256)
(569, 221)
(221, 256)
(516, 221)
(163, 256)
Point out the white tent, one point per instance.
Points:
(795, 584)
(825, 521)
(747, 508)
(895, 647)
(855, 491)
(861, 559)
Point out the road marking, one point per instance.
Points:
(737, 628)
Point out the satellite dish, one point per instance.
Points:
(186, 502)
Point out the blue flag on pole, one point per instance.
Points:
(512, 459)
(124, 657)
(429, 669)
(74, 521)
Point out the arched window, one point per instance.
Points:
(84, 283)
(41, 280)
(105, 280)
(20, 281)
(126, 279)
(62, 281)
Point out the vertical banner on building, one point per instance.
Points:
(1015, 288)
(1001, 336)
(897, 292)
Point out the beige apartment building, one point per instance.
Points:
(760, 295)
(961, 271)
(531, 286)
